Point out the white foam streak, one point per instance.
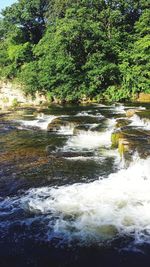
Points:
(89, 114)
(138, 122)
(119, 109)
(66, 130)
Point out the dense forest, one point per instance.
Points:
(75, 49)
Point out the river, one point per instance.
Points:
(68, 197)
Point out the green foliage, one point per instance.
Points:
(72, 49)
(15, 103)
(135, 65)
(113, 93)
(29, 77)
(29, 16)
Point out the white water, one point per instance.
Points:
(66, 130)
(95, 212)
(88, 113)
(119, 109)
(91, 139)
(40, 122)
(138, 122)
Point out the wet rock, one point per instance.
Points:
(115, 137)
(122, 122)
(126, 150)
(144, 114)
(80, 120)
(123, 146)
(80, 129)
(131, 112)
(130, 134)
(70, 154)
(50, 148)
(129, 140)
(56, 124)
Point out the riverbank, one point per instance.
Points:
(12, 96)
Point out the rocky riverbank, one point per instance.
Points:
(11, 95)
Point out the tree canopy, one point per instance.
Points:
(72, 49)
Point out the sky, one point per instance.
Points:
(4, 3)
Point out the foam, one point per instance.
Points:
(91, 139)
(118, 205)
(95, 212)
(40, 122)
(138, 122)
(89, 114)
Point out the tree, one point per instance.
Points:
(136, 66)
(76, 48)
(29, 16)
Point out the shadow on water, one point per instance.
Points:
(29, 253)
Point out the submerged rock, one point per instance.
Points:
(70, 154)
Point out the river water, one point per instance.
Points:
(67, 197)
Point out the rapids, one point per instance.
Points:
(88, 200)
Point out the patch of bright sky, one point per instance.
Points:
(4, 3)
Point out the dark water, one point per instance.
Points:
(67, 198)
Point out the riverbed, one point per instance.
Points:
(68, 196)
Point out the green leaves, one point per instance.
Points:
(74, 48)
(136, 67)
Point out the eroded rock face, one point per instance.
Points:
(129, 140)
(126, 150)
(115, 137)
(143, 97)
(144, 114)
(131, 112)
(11, 94)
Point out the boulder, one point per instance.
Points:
(131, 112)
(56, 124)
